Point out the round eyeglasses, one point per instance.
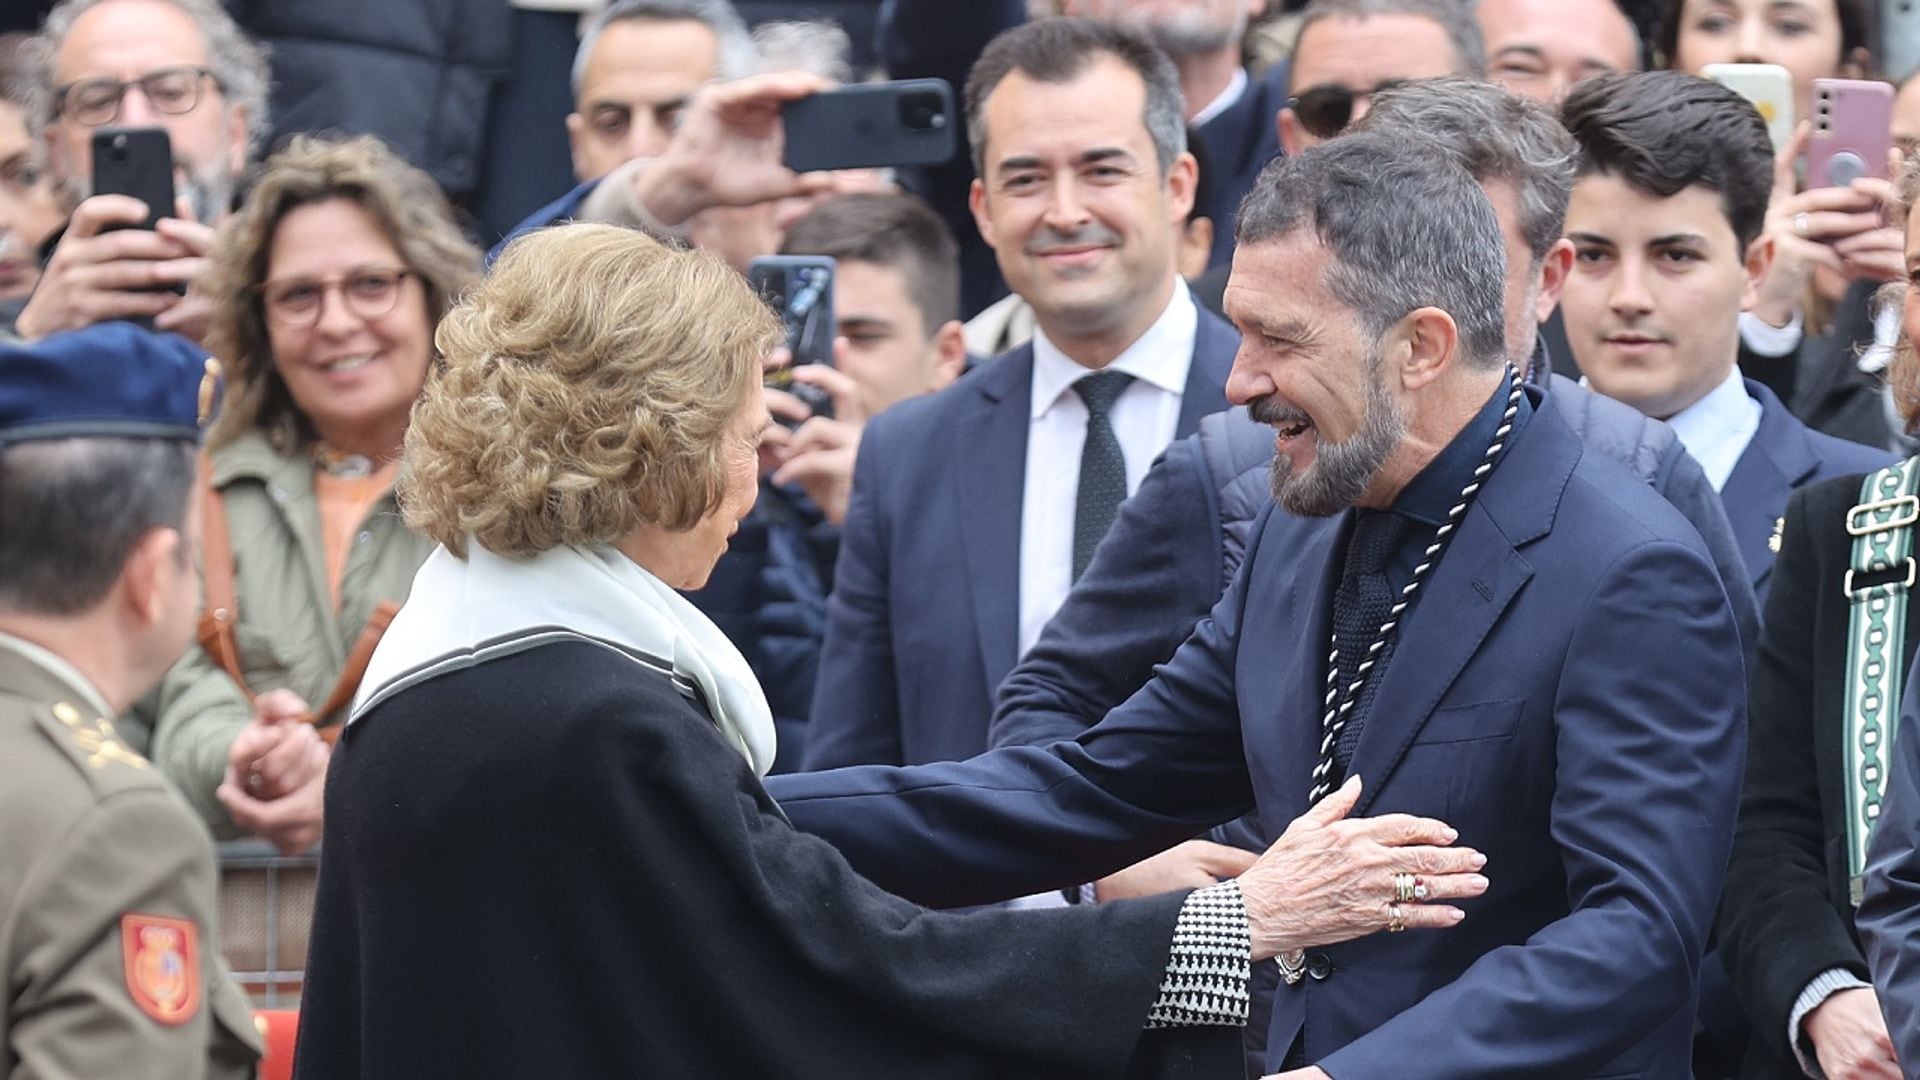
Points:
(172, 91)
(368, 293)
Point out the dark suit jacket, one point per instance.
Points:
(1786, 916)
(1576, 711)
(923, 622)
(1784, 454)
(1239, 142)
(1890, 914)
(1830, 392)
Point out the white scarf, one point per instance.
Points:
(465, 612)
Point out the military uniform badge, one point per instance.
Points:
(162, 965)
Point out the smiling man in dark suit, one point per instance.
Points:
(1505, 630)
(974, 509)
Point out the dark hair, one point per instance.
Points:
(1664, 132)
(1058, 50)
(1406, 229)
(1493, 135)
(76, 508)
(1856, 29)
(894, 231)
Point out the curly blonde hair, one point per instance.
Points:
(403, 201)
(1903, 374)
(588, 387)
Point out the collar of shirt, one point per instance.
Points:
(1429, 497)
(1160, 357)
(64, 671)
(1717, 428)
(1224, 100)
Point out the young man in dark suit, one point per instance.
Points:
(1563, 676)
(975, 508)
(1674, 180)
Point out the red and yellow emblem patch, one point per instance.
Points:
(163, 966)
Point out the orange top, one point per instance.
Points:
(344, 502)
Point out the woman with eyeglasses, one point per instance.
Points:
(1810, 335)
(327, 285)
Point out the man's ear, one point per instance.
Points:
(1426, 343)
(1759, 261)
(143, 585)
(1293, 137)
(576, 136)
(949, 353)
(977, 202)
(1554, 269)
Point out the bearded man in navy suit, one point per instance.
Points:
(1504, 632)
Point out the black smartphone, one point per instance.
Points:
(799, 288)
(136, 162)
(871, 126)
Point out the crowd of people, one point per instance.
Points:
(1300, 473)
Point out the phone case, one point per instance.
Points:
(799, 288)
(1768, 86)
(1900, 38)
(136, 162)
(1852, 131)
(871, 125)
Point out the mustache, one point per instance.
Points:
(1092, 234)
(1270, 410)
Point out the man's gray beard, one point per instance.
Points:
(1192, 34)
(1341, 471)
(209, 193)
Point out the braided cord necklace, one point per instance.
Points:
(1339, 704)
(1293, 963)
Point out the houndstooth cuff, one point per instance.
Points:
(1211, 962)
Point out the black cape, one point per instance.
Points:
(552, 865)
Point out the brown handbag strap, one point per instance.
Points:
(357, 659)
(221, 611)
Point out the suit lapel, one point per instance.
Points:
(989, 458)
(1214, 343)
(1282, 664)
(1778, 459)
(1476, 579)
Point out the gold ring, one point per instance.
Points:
(1394, 923)
(1406, 888)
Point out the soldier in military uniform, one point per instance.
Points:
(107, 941)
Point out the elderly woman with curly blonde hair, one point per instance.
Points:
(327, 286)
(548, 850)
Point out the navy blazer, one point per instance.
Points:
(1890, 913)
(923, 621)
(1238, 142)
(1576, 712)
(1783, 455)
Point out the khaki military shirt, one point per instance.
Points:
(107, 936)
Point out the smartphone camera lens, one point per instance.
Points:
(922, 112)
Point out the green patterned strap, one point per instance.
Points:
(1880, 576)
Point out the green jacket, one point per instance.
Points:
(288, 634)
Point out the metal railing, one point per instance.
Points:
(266, 912)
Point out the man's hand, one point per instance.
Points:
(98, 274)
(1849, 1037)
(727, 150)
(1330, 879)
(1192, 865)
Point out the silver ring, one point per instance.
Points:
(1420, 891)
(254, 780)
(1801, 223)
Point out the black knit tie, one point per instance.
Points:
(1360, 606)
(1103, 471)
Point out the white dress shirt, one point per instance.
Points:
(1144, 420)
(1223, 100)
(1717, 428)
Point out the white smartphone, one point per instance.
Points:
(1768, 86)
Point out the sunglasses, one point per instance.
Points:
(1325, 109)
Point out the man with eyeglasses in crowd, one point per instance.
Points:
(179, 65)
(1346, 50)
